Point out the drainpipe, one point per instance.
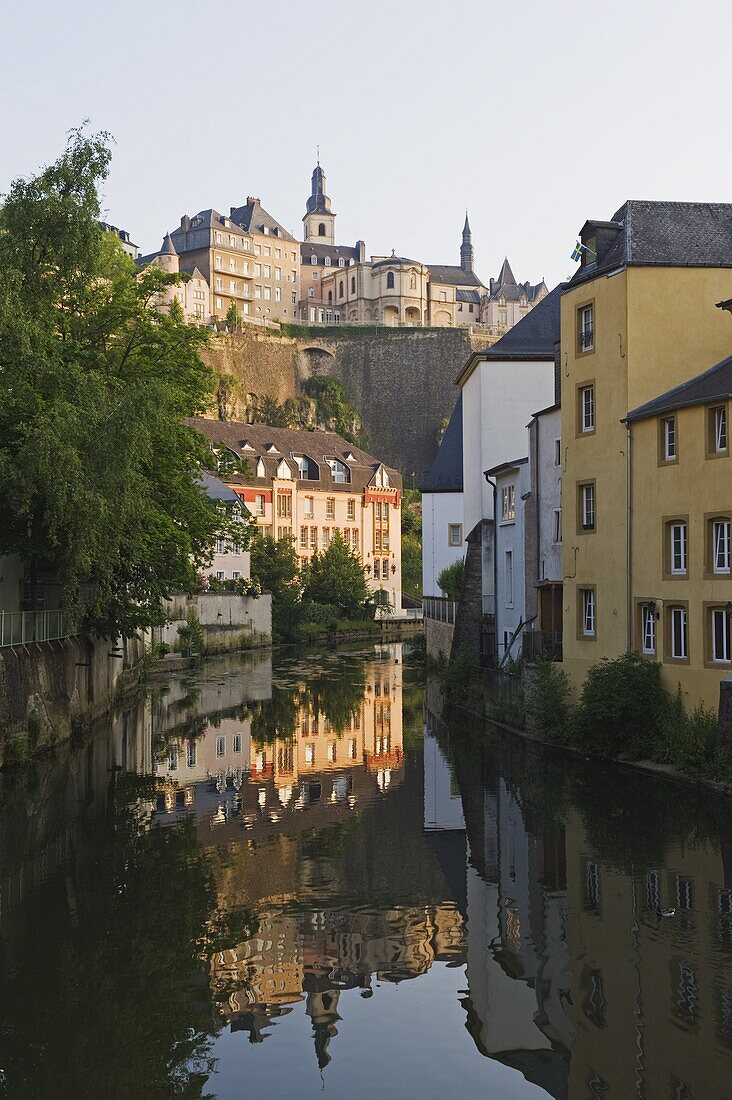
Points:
(629, 537)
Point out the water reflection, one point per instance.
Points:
(296, 878)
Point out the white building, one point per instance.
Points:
(230, 561)
(512, 491)
(442, 506)
(501, 387)
(543, 531)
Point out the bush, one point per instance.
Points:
(450, 579)
(319, 614)
(620, 708)
(547, 700)
(191, 633)
(691, 742)
(462, 677)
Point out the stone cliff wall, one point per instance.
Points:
(401, 380)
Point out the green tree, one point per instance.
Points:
(336, 577)
(232, 317)
(272, 413)
(334, 409)
(412, 543)
(277, 568)
(451, 578)
(97, 463)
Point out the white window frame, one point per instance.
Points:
(587, 325)
(589, 613)
(720, 615)
(220, 746)
(587, 406)
(670, 452)
(721, 546)
(508, 504)
(720, 430)
(679, 629)
(648, 628)
(589, 507)
(678, 549)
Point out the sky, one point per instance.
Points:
(534, 116)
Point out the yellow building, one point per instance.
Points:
(638, 318)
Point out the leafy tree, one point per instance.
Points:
(451, 578)
(621, 706)
(271, 412)
(336, 577)
(97, 463)
(276, 566)
(232, 317)
(334, 409)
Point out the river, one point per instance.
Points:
(286, 877)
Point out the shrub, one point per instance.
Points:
(620, 707)
(191, 633)
(462, 677)
(691, 742)
(450, 579)
(547, 699)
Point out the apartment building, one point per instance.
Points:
(638, 320)
(306, 485)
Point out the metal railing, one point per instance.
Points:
(542, 643)
(22, 627)
(440, 609)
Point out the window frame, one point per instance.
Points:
(645, 606)
(665, 458)
(583, 349)
(670, 610)
(711, 609)
(669, 523)
(712, 430)
(582, 529)
(585, 591)
(711, 520)
(454, 527)
(508, 492)
(585, 387)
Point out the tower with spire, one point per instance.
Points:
(319, 219)
(467, 256)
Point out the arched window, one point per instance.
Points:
(340, 289)
(321, 229)
(353, 285)
(326, 261)
(390, 280)
(330, 295)
(313, 259)
(413, 282)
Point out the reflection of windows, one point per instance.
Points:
(191, 754)
(592, 885)
(686, 998)
(310, 754)
(725, 1015)
(685, 893)
(653, 889)
(236, 743)
(593, 1004)
(220, 746)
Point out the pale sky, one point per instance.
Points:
(534, 115)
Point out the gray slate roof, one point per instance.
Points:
(505, 285)
(467, 296)
(253, 218)
(714, 384)
(216, 489)
(396, 260)
(534, 336)
(445, 475)
(452, 275)
(670, 234)
(335, 251)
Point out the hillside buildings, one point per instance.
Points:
(506, 301)
(306, 486)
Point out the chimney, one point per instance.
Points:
(231, 211)
(185, 223)
(251, 200)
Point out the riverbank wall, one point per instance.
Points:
(228, 622)
(48, 687)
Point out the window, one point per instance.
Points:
(257, 270)
(191, 754)
(326, 536)
(313, 538)
(236, 575)
(719, 545)
(587, 408)
(267, 250)
(390, 280)
(259, 503)
(455, 534)
(717, 443)
(268, 294)
(508, 503)
(341, 289)
(267, 271)
(557, 525)
(310, 754)
(587, 606)
(321, 229)
(303, 538)
(278, 295)
(557, 452)
(648, 628)
(677, 548)
(353, 285)
(586, 328)
(587, 506)
(218, 238)
(653, 889)
(278, 273)
(669, 452)
(220, 575)
(592, 885)
(355, 537)
(220, 746)
(719, 625)
(309, 507)
(236, 743)
(351, 510)
(508, 571)
(330, 508)
(220, 546)
(678, 624)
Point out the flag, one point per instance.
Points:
(577, 252)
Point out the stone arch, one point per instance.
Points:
(315, 360)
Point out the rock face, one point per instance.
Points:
(401, 380)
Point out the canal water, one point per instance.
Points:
(292, 878)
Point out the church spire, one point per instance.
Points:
(319, 219)
(467, 255)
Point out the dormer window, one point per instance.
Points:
(307, 469)
(271, 449)
(341, 262)
(326, 261)
(382, 478)
(313, 259)
(340, 472)
(283, 470)
(261, 471)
